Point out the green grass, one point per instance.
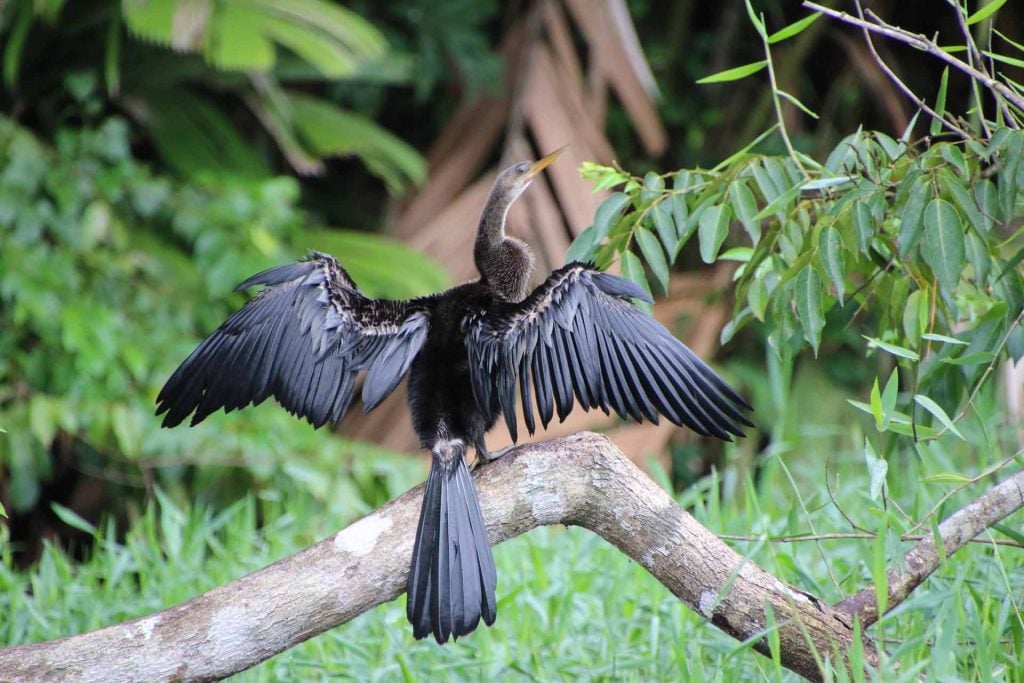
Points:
(571, 606)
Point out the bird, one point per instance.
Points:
(577, 338)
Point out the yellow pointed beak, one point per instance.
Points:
(541, 164)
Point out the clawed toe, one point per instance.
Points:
(484, 456)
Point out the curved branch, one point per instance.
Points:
(924, 558)
(580, 480)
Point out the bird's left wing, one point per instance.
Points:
(577, 335)
(303, 340)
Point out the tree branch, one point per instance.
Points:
(924, 558)
(925, 45)
(903, 87)
(579, 480)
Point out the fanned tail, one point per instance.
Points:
(452, 579)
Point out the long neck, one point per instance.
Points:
(491, 231)
(505, 263)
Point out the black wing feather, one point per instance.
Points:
(577, 335)
(303, 340)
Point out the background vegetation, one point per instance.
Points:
(148, 166)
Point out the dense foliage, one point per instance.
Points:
(108, 275)
(916, 247)
(203, 114)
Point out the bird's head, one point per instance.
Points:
(514, 180)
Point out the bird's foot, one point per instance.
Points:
(491, 457)
(484, 456)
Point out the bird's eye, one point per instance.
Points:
(522, 168)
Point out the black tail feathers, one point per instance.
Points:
(452, 579)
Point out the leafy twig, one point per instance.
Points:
(924, 44)
(973, 480)
(903, 87)
(974, 58)
(778, 112)
(924, 558)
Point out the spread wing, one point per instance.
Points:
(302, 340)
(578, 336)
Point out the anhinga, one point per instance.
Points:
(305, 337)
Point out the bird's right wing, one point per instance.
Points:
(303, 340)
(578, 335)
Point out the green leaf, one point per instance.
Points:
(745, 207)
(15, 42)
(905, 428)
(931, 336)
(582, 248)
(1008, 39)
(863, 223)
(912, 217)
(153, 21)
(653, 253)
(740, 254)
(661, 214)
(794, 28)
(243, 36)
(865, 407)
(987, 199)
(714, 227)
(826, 183)
(905, 137)
(331, 131)
(808, 305)
(735, 73)
(112, 56)
(979, 258)
(946, 478)
(605, 177)
(940, 103)
(654, 182)
(878, 468)
(889, 396)
(936, 410)
(780, 204)
(796, 103)
(975, 358)
(1009, 532)
(951, 153)
(680, 214)
(915, 315)
(985, 12)
(964, 201)
(757, 298)
(1005, 59)
(196, 138)
(944, 250)
(744, 151)
(891, 348)
(830, 249)
(758, 23)
(633, 270)
(607, 213)
(72, 518)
